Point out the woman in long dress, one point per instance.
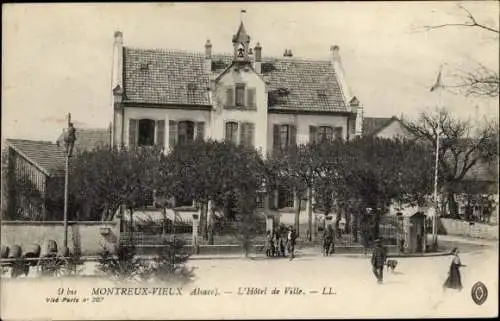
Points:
(454, 280)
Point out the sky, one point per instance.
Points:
(56, 58)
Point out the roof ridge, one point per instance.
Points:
(264, 58)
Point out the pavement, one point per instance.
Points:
(309, 286)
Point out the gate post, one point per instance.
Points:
(194, 242)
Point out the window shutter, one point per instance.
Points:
(132, 132)
(292, 135)
(313, 130)
(276, 137)
(251, 134)
(172, 133)
(160, 133)
(251, 97)
(338, 133)
(243, 134)
(230, 97)
(200, 130)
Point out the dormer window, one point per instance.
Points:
(321, 93)
(144, 67)
(191, 86)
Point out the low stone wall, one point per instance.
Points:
(89, 237)
(450, 226)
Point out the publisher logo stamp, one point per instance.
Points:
(479, 293)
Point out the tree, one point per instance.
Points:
(214, 172)
(371, 172)
(293, 169)
(461, 147)
(106, 179)
(482, 81)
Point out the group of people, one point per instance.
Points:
(281, 242)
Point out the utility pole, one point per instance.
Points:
(69, 141)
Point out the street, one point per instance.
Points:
(244, 288)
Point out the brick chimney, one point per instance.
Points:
(117, 90)
(288, 53)
(208, 57)
(117, 60)
(258, 58)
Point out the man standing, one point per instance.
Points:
(290, 241)
(328, 237)
(378, 260)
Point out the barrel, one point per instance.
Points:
(33, 252)
(4, 252)
(50, 247)
(16, 252)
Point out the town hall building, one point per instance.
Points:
(165, 97)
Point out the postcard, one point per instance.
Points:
(249, 160)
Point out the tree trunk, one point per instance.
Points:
(452, 205)
(203, 220)
(297, 216)
(347, 215)
(309, 213)
(211, 224)
(355, 226)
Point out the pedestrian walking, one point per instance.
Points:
(290, 242)
(379, 257)
(454, 280)
(328, 237)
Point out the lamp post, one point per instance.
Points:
(69, 141)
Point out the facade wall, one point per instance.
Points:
(463, 228)
(89, 237)
(166, 115)
(253, 114)
(303, 121)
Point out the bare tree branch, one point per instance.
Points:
(472, 22)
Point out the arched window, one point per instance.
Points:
(146, 135)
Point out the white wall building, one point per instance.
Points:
(165, 97)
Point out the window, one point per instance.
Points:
(240, 95)
(285, 197)
(320, 134)
(232, 132)
(247, 134)
(284, 136)
(146, 132)
(325, 133)
(185, 132)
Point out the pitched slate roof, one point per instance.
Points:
(162, 77)
(88, 139)
(46, 156)
(372, 125)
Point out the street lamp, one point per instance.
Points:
(69, 141)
